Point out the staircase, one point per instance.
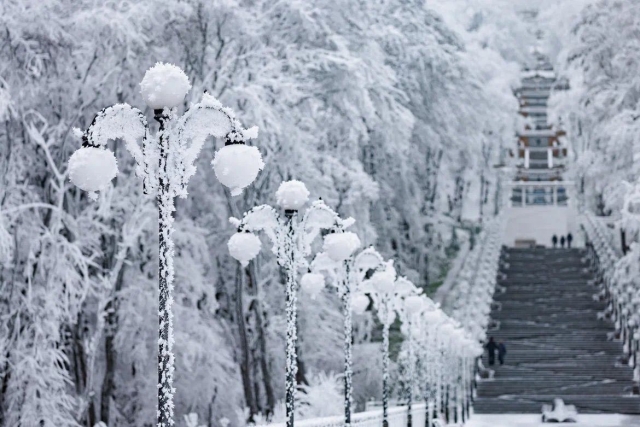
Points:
(546, 315)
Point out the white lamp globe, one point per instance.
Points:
(432, 317)
(359, 303)
(164, 86)
(383, 281)
(340, 246)
(312, 284)
(292, 195)
(404, 287)
(413, 304)
(447, 330)
(237, 166)
(244, 247)
(92, 168)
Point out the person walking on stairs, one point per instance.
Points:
(562, 242)
(502, 351)
(491, 347)
(569, 240)
(554, 240)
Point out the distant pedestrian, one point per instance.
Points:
(554, 240)
(569, 240)
(502, 351)
(491, 347)
(562, 242)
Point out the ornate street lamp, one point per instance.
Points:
(432, 319)
(409, 307)
(165, 161)
(291, 240)
(386, 291)
(347, 272)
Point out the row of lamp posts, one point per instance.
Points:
(360, 277)
(165, 162)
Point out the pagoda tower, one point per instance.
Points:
(541, 147)
(540, 206)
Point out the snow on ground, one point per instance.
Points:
(533, 420)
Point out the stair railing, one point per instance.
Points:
(616, 287)
(470, 300)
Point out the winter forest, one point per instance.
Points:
(398, 114)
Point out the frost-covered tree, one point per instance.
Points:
(389, 111)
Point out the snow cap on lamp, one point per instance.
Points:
(164, 86)
(292, 195)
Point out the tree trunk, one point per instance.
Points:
(245, 365)
(111, 356)
(262, 342)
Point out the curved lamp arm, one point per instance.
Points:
(129, 124)
(366, 260)
(323, 264)
(317, 217)
(262, 218)
(204, 119)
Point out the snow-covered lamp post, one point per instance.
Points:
(291, 240)
(409, 307)
(165, 161)
(347, 272)
(381, 289)
(386, 291)
(433, 319)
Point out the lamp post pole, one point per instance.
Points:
(165, 280)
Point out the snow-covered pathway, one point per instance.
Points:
(533, 420)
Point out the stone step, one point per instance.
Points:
(551, 387)
(532, 404)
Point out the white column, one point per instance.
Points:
(555, 195)
(550, 158)
(526, 158)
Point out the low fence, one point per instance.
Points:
(619, 287)
(398, 417)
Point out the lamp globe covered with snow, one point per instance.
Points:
(165, 162)
(291, 237)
